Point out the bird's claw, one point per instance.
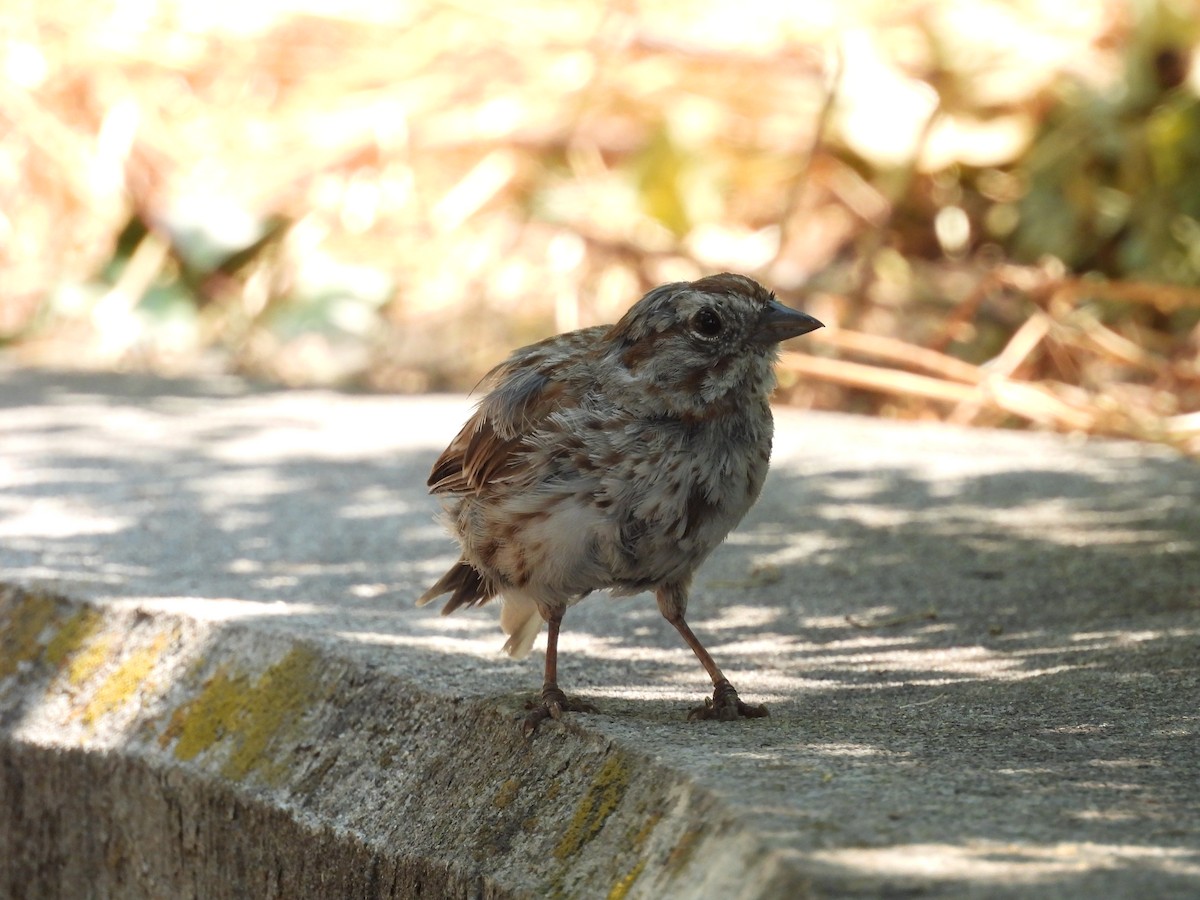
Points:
(553, 704)
(725, 706)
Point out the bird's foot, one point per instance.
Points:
(553, 704)
(725, 706)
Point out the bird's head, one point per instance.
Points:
(691, 345)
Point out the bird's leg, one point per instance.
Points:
(554, 701)
(724, 705)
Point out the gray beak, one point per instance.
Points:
(779, 322)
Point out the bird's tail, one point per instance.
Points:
(466, 586)
(521, 621)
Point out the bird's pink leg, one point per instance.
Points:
(724, 705)
(554, 701)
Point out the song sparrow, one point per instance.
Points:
(615, 457)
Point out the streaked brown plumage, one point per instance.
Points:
(615, 457)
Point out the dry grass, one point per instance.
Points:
(393, 197)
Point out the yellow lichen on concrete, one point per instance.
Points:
(602, 798)
(213, 713)
(621, 888)
(647, 829)
(74, 633)
(283, 694)
(22, 625)
(250, 715)
(126, 681)
(89, 659)
(637, 839)
(507, 793)
(682, 852)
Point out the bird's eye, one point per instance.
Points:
(706, 323)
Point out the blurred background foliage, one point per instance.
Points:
(994, 206)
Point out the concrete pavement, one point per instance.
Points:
(980, 651)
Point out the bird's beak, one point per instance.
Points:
(778, 323)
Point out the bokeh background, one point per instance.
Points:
(994, 206)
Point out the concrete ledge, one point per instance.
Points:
(222, 762)
(109, 825)
(979, 650)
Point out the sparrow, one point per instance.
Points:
(615, 457)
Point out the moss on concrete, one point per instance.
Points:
(602, 797)
(250, 715)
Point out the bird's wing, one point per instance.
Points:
(524, 390)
